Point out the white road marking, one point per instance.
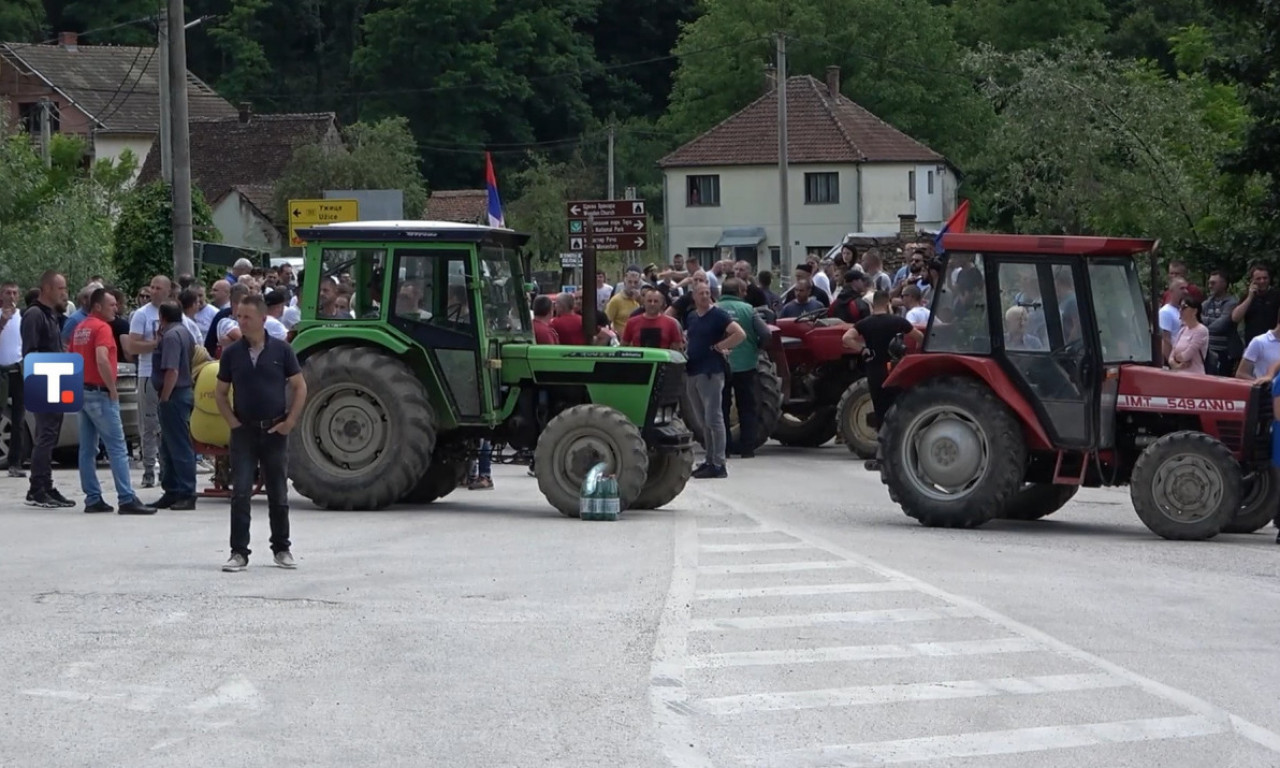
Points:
(779, 546)
(237, 692)
(864, 653)
(752, 528)
(897, 693)
(794, 590)
(785, 621)
(80, 696)
(813, 565)
(1010, 742)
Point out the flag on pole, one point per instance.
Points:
(958, 222)
(495, 203)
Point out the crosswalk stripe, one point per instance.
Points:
(800, 590)
(771, 546)
(1010, 742)
(863, 653)
(808, 565)
(885, 616)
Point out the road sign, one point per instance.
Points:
(571, 261)
(580, 209)
(619, 226)
(610, 242)
(307, 213)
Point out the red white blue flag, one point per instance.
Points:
(958, 222)
(495, 202)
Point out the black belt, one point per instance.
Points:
(95, 388)
(262, 424)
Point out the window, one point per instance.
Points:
(775, 257)
(930, 182)
(821, 188)
(911, 185)
(1123, 328)
(703, 191)
(502, 292)
(30, 115)
(960, 309)
(705, 256)
(351, 283)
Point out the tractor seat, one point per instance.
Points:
(827, 322)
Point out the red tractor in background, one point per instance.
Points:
(1040, 373)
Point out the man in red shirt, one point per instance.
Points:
(543, 332)
(653, 328)
(568, 323)
(93, 340)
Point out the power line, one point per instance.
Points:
(87, 32)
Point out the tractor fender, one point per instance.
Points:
(916, 368)
(315, 339)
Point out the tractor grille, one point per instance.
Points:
(1258, 418)
(1231, 433)
(668, 384)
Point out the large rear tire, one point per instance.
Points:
(579, 438)
(952, 455)
(1037, 500)
(768, 408)
(668, 475)
(441, 479)
(1261, 503)
(1186, 486)
(853, 420)
(367, 432)
(813, 431)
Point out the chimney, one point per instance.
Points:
(770, 78)
(246, 111)
(907, 225)
(833, 81)
(68, 40)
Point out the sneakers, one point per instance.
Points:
(203, 467)
(148, 481)
(63, 501)
(15, 472)
(98, 507)
(136, 507)
(481, 484)
(285, 560)
(710, 472)
(235, 564)
(42, 499)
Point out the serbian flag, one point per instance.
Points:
(958, 222)
(495, 203)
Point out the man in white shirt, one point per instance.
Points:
(913, 302)
(205, 311)
(1261, 356)
(274, 327)
(1171, 315)
(11, 385)
(604, 291)
(141, 342)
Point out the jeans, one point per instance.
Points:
(17, 412)
(708, 389)
(484, 464)
(251, 447)
(742, 387)
(150, 424)
(48, 427)
(177, 457)
(100, 419)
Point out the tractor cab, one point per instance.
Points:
(1041, 372)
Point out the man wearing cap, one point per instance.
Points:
(274, 325)
(849, 305)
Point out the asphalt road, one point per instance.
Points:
(789, 616)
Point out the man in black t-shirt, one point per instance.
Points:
(1260, 306)
(872, 337)
(849, 305)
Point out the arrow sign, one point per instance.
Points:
(615, 226)
(604, 209)
(610, 242)
(308, 213)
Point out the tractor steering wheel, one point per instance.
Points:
(812, 315)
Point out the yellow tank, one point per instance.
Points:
(207, 425)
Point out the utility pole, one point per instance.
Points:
(611, 135)
(46, 132)
(166, 106)
(183, 247)
(784, 204)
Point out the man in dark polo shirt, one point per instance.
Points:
(171, 378)
(41, 332)
(270, 393)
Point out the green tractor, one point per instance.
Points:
(436, 353)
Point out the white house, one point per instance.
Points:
(848, 171)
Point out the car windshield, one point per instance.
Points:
(501, 292)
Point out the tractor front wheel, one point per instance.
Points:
(1260, 505)
(768, 409)
(581, 437)
(366, 434)
(853, 420)
(1037, 500)
(952, 454)
(668, 475)
(1186, 486)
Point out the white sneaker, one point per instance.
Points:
(285, 560)
(236, 564)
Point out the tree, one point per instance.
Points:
(897, 57)
(21, 20)
(143, 235)
(542, 189)
(238, 35)
(1014, 25)
(379, 155)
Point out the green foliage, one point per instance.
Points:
(143, 235)
(542, 189)
(238, 35)
(1013, 25)
(381, 155)
(21, 20)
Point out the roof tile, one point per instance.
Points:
(469, 206)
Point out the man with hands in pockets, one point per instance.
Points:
(269, 395)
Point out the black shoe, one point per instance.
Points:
(136, 507)
(63, 501)
(165, 501)
(718, 473)
(98, 507)
(183, 505)
(702, 471)
(42, 499)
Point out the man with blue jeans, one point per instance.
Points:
(171, 378)
(711, 334)
(93, 340)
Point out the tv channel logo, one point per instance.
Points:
(53, 382)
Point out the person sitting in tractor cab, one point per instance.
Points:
(459, 309)
(806, 272)
(849, 305)
(802, 302)
(1016, 335)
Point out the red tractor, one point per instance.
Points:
(1040, 373)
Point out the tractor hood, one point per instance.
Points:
(1144, 388)
(540, 352)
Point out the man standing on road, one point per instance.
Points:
(171, 379)
(712, 333)
(11, 373)
(741, 382)
(261, 369)
(82, 311)
(567, 322)
(1224, 336)
(620, 307)
(871, 338)
(144, 329)
(1260, 307)
(1170, 316)
(42, 333)
(653, 328)
(100, 416)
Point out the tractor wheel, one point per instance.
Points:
(768, 408)
(668, 475)
(1186, 486)
(952, 453)
(813, 431)
(1037, 500)
(853, 420)
(441, 479)
(579, 438)
(1260, 505)
(364, 440)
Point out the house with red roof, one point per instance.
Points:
(848, 171)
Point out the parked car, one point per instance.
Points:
(68, 449)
